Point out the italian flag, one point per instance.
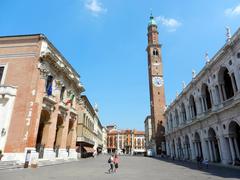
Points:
(70, 100)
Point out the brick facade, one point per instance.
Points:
(46, 103)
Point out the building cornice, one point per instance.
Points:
(49, 53)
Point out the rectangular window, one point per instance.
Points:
(1, 73)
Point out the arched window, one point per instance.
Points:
(234, 82)
(171, 121)
(206, 97)
(183, 112)
(226, 86)
(217, 94)
(176, 118)
(1, 73)
(155, 52)
(167, 124)
(49, 83)
(238, 55)
(193, 108)
(62, 92)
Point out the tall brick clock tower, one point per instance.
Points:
(156, 87)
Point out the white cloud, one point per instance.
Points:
(95, 7)
(170, 23)
(235, 11)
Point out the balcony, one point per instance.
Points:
(84, 139)
(49, 103)
(6, 90)
(228, 102)
(50, 99)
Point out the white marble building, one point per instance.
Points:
(204, 119)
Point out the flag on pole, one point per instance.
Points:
(70, 100)
(49, 90)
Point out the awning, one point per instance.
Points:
(89, 149)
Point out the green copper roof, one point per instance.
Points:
(152, 21)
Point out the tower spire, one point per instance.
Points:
(151, 15)
(152, 20)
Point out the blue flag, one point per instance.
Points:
(49, 90)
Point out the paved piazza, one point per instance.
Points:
(139, 168)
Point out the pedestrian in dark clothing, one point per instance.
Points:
(111, 163)
(199, 161)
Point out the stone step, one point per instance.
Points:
(55, 162)
(9, 165)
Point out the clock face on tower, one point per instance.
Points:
(157, 81)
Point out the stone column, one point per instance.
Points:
(49, 136)
(225, 150)
(236, 147)
(204, 104)
(210, 150)
(220, 93)
(45, 134)
(184, 152)
(71, 141)
(233, 84)
(214, 97)
(199, 149)
(59, 136)
(200, 101)
(188, 116)
(168, 148)
(172, 150)
(62, 137)
(214, 151)
(219, 149)
(224, 92)
(237, 77)
(198, 106)
(192, 148)
(232, 149)
(176, 149)
(196, 149)
(211, 97)
(207, 149)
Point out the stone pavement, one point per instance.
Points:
(131, 168)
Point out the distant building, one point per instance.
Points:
(138, 142)
(125, 141)
(89, 130)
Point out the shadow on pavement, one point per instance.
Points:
(216, 170)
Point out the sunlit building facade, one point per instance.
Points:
(39, 100)
(204, 120)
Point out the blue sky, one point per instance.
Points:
(105, 41)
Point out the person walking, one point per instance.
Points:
(111, 163)
(116, 162)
